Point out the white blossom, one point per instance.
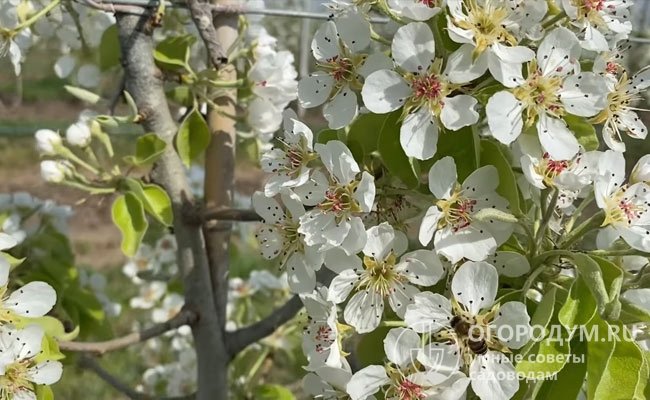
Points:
(452, 221)
(420, 87)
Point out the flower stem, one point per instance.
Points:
(583, 228)
(548, 214)
(43, 11)
(223, 84)
(378, 38)
(555, 19)
(392, 324)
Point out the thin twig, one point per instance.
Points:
(185, 317)
(117, 7)
(90, 363)
(230, 214)
(202, 18)
(229, 9)
(241, 338)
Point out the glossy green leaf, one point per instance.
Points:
(83, 94)
(174, 52)
(365, 132)
(462, 145)
(583, 130)
(491, 154)
(44, 392)
(128, 216)
(393, 155)
(158, 203)
(579, 307)
(273, 392)
(148, 150)
(568, 382)
(614, 367)
(193, 137)
(592, 274)
(326, 135)
(109, 49)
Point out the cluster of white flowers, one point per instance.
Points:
(22, 363)
(527, 78)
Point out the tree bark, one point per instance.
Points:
(144, 83)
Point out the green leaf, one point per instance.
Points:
(491, 154)
(193, 137)
(553, 356)
(368, 344)
(631, 314)
(365, 131)
(109, 49)
(613, 366)
(84, 95)
(592, 274)
(158, 203)
(155, 200)
(273, 392)
(462, 145)
(13, 261)
(326, 135)
(393, 155)
(568, 382)
(174, 52)
(52, 327)
(128, 216)
(583, 130)
(579, 307)
(613, 280)
(44, 392)
(148, 150)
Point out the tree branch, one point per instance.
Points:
(116, 7)
(93, 365)
(230, 214)
(240, 339)
(185, 317)
(202, 17)
(144, 82)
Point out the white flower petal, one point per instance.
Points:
(35, 299)
(493, 377)
(418, 135)
(338, 260)
(442, 177)
(461, 66)
(559, 49)
(421, 267)
(270, 240)
(354, 30)
(300, 276)
(267, 208)
(504, 115)
(441, 358)
(380, 241)
(367, 382)
(413, 47)
(472, 243)
(315, 89)
(45, 373)
(459, 111)
(342, 109)
(475, 285)
(364, 311)
(401, 346)
(401, 296)
(342, 285)
(513, 324)
(325, 44)
(556, 138)
(416, 10)
(584, 94)
(365, 193)
(428, 313)
(338, 160)
(385, 91)
(429, 225)
(375, 62)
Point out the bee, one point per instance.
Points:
(460, 325)
(477, 346)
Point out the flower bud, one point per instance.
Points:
(46, 141)
(55, 171)
(78, 134)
